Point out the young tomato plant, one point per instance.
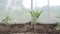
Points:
(6, 20)
(35, 15)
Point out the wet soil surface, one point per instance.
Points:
(28, 29)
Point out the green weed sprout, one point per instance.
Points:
(6, 20)
(58, 26)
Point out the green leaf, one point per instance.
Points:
(6, 19)
(35, 15)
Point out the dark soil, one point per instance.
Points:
(28, 29)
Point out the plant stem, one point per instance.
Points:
(34, 20)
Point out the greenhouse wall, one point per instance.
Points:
(18, 10)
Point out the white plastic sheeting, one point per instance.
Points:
(17, 10)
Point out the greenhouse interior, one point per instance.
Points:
(29, 17)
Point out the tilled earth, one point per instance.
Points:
(28, 29)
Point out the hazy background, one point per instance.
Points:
(18, 10)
